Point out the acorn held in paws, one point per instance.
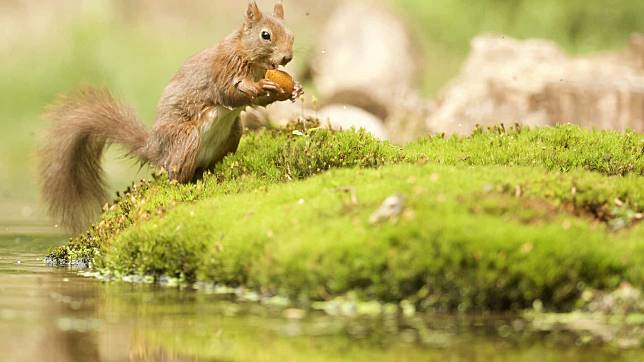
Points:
(283, 79)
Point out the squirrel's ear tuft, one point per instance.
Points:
(253, 14)
(279, 10)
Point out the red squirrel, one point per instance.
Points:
(197, 122)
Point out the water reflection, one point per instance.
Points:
(49, 314)
(42, 311)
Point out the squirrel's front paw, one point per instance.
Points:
(298, 91)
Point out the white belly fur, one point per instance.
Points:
(216, 125)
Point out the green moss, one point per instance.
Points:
(493, 221)
(563, 148)
(458, 258)
(277, 156)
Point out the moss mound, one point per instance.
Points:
(492, 221)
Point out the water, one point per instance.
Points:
(54, 314)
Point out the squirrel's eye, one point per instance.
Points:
(266, 35)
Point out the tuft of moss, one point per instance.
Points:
(277, 156)
(492, 221)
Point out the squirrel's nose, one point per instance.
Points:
(287, 59)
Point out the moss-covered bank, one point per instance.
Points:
(493, 221)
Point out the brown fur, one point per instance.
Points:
(228, 75)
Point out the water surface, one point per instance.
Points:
(54, 314)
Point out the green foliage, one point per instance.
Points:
(493, 221)
(576, 24)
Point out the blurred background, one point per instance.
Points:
(401, 68)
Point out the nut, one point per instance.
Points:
(283, 79)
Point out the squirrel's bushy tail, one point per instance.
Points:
(70, 160)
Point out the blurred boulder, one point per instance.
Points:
(336, 116)
(365, 55)
(636, 50)
(344, 117)
(366, 58)
(533, 82)
(498, 83)
(406, 119)
(612, 102)
(278, 114)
